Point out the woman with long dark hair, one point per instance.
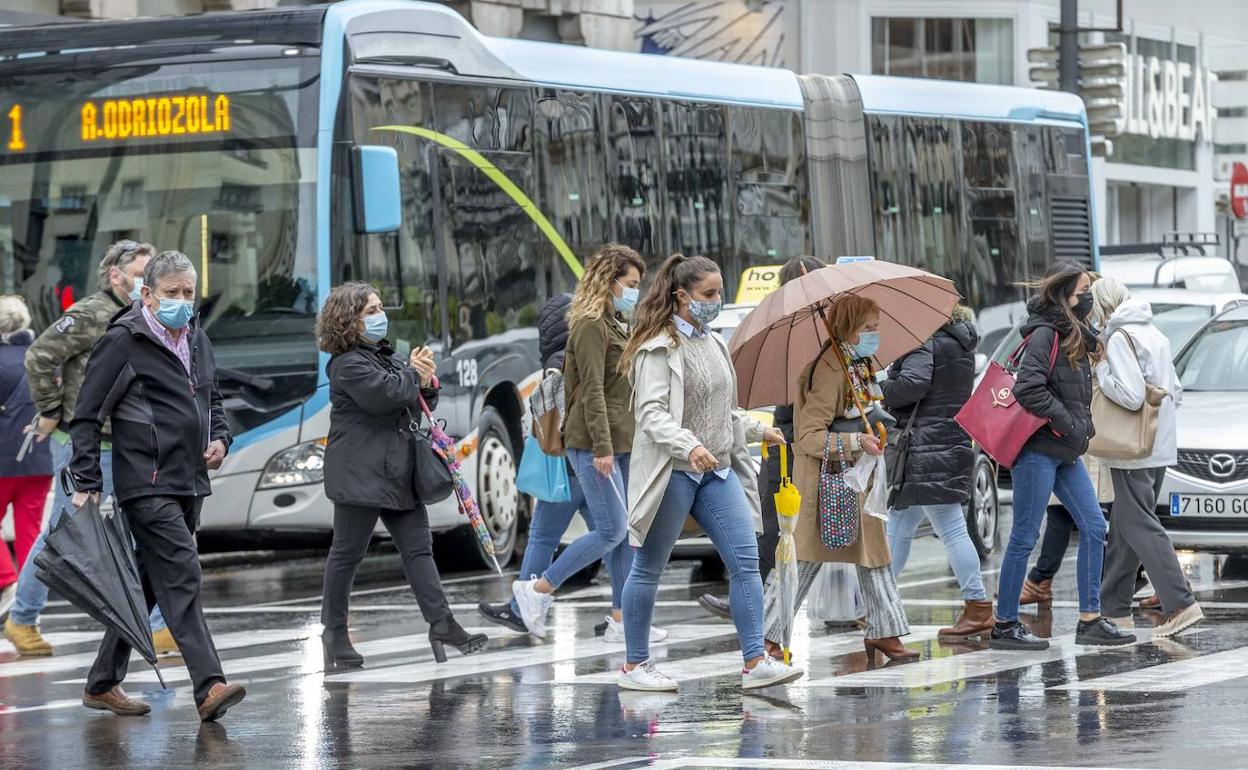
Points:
(598, 434)
(690, 460)
(374, 399)
(1054, 382)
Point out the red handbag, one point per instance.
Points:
(994, 418)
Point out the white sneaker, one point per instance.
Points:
(533, 605)
(615, 632)
(769, 672)
(1179, 621)
(647, 678)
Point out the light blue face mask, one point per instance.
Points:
(627, 301)
(137, 291)
(175, 313)
(376, 326)
(868, 344)
(705, 312)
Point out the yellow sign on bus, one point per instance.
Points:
(756, 283)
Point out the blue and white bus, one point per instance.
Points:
(467, 178)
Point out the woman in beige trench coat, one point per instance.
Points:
(824, 396)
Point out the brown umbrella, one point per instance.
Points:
(787, 329)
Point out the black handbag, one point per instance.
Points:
(896, 456)
(431, 478)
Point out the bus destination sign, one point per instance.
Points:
(121, 120)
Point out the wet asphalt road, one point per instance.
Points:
(523, 704)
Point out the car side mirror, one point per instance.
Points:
(981, 363)
(375, 185)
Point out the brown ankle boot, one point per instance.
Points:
(892, 647)
(975, 620)
(1037, 593)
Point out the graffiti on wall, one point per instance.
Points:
(743, 31)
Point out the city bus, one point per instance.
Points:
(468, 178)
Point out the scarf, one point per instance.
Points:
(860, 375)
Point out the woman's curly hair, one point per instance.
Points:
(338, 325)
(592, 299)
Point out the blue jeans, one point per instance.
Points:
(32, 594)
(720, 508)
(608, 539)
(1036, 477)
(950, 526)
(550, 521)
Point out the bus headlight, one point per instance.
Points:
(301, 464)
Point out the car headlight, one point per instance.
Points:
(301, 464)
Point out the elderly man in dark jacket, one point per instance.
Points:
(153, 378)
(924, 390)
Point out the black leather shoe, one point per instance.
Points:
(501, 615)
(716, 605)
(1101, 632)
(1014, 636)
(600, 629)
(449, 631)
(338, 650)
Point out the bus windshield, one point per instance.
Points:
(213, 160)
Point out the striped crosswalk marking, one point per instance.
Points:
(1173, 677)
(501, 660)
(230, 641)
(725, 663)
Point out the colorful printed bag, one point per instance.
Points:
(838, 504)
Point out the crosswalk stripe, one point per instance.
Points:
(230, 641)
(725, 663)
(1172, 677)
(561, 651)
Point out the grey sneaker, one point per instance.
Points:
(1179, 621)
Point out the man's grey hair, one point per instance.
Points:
(14, 315)
(165, 264)
(120, 255)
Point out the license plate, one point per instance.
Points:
(1208, 505)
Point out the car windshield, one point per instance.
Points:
(1217, 360)
(1179, 322)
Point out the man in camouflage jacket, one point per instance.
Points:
(55, 365)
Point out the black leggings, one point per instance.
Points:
(353, 529)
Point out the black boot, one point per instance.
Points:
(1014, 636)
(449, 631)
(338, 650)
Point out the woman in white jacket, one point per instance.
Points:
(690, 460)
(1138, 354)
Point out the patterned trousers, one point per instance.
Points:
(886, 615)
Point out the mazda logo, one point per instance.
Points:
(1222, 466)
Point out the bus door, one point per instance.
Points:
(492, 268)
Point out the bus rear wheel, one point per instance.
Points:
(496, 493)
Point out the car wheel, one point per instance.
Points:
(499, 500)
(983, 511)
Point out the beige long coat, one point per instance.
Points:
(815, 409)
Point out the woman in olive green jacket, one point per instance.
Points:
(598, 433)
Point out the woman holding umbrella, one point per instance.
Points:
(376, 398)
(690, 459)
(837, 387)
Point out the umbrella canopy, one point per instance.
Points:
(88, 559)
(787, 331)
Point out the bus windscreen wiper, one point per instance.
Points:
(261, 384)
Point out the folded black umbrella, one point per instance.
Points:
(88, 558)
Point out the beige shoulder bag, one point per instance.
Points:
(1122, 434)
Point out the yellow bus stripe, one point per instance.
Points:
(505, 184)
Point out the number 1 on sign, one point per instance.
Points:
(16, 140)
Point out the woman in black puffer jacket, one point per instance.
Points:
(1055, 383)
(929, 386)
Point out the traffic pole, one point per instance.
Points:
(1068, 47)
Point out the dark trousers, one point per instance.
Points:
(353, 528)
(1137, 536)
(163, 530)
(768, 486)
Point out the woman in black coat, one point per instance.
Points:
(924, 390)
(1054, 382)
(375, 405)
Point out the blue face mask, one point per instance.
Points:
(175, 313)
(868, 344)
(705, 312)
(376, 326)
(627, 301)
(137, 291)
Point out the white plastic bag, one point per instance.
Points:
(834, 595)
(869, 476)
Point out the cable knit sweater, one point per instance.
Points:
(708, 399)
